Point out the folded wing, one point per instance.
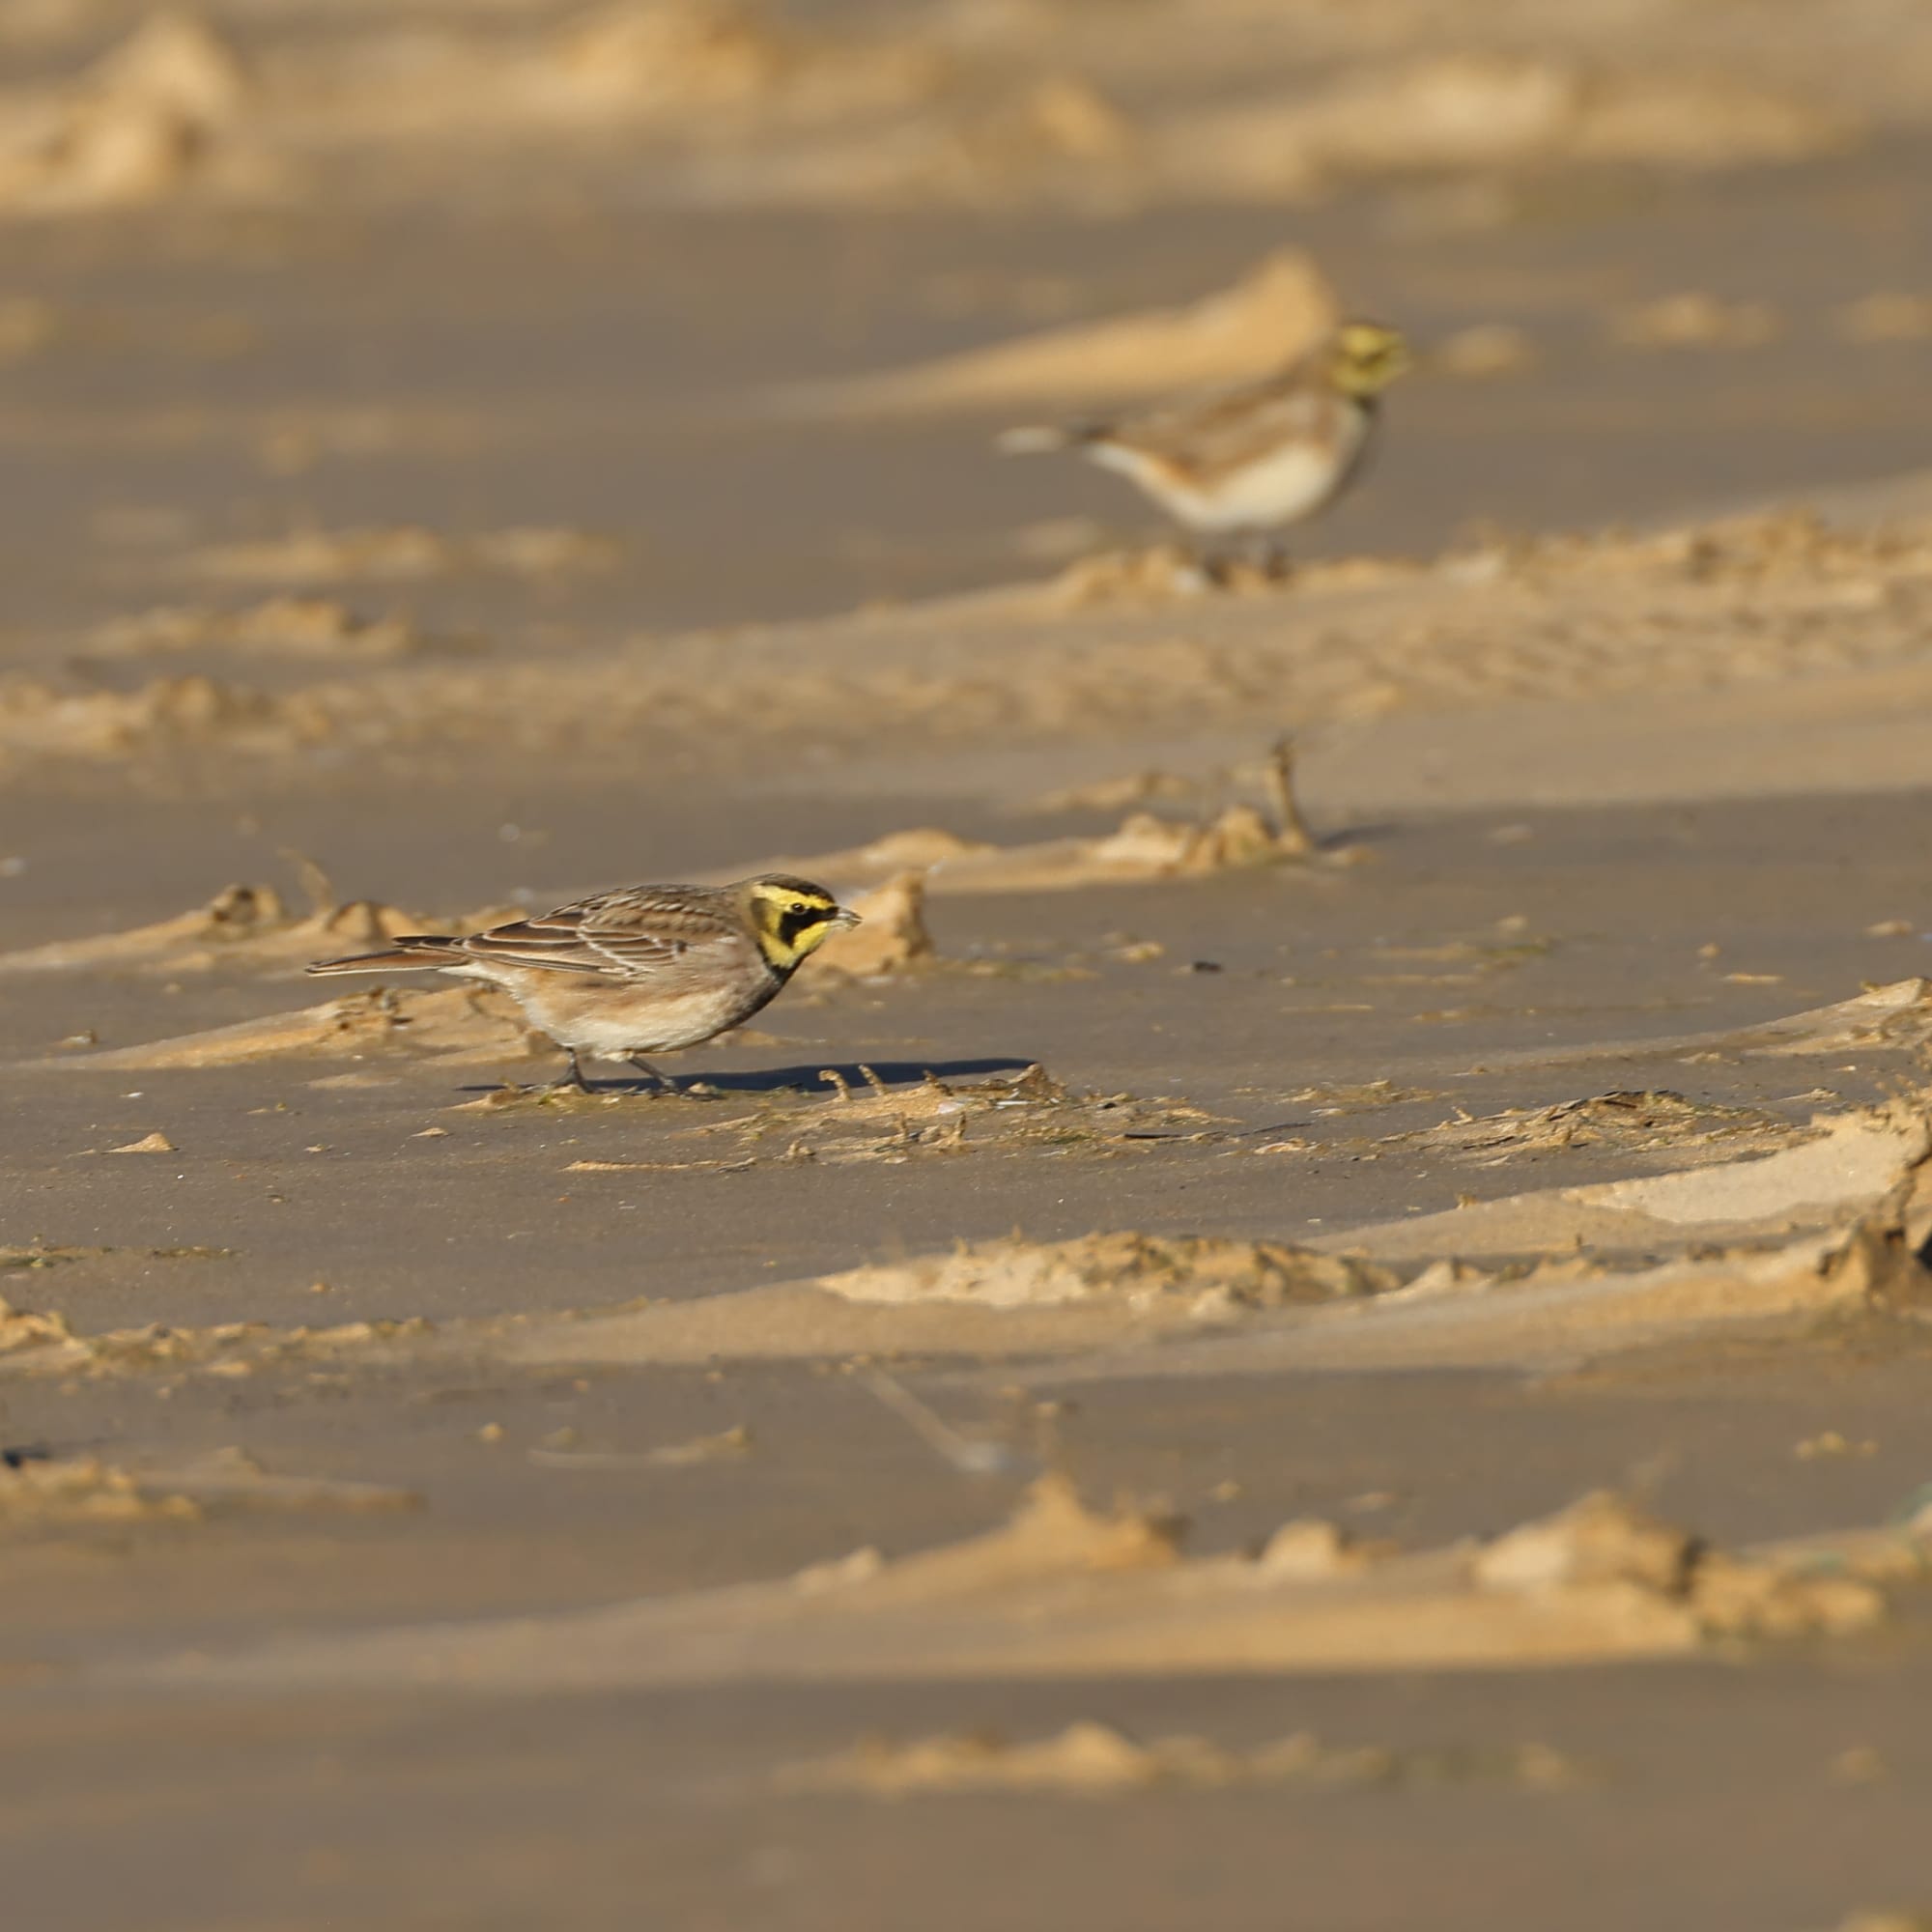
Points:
(621, 935)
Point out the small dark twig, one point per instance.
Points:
(1293, 837)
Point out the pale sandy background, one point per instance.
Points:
(461, 453)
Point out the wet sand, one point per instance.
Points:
(1086, 1413)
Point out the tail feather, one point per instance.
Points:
(1036, 439)
(412, 952)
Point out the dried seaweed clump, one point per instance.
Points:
(1631, 1121)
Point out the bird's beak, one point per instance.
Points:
(844, 917)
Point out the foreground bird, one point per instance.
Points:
(1248, 462)
(643, 970)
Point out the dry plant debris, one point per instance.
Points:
(1029, 1111)
(1358, 1096)
(1647, 1121)
(36, 1256)
(876, 1121)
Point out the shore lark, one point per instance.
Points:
(1246, 463)
(646, 968)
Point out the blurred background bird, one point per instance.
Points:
(1240, 466)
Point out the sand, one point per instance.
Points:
(1321, 1318)
(1062, 1592)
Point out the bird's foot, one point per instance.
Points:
(571, 1080)
(1270, 560)
(660, 1083)
(1253, 563)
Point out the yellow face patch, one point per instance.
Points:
(793, 919)
(1369, 358)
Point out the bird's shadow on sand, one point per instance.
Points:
(823, 1079)
(815, 1077)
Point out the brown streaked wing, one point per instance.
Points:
(623, 934)
(1229, 432)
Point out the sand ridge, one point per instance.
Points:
(1064, 1590)
(1771, 600)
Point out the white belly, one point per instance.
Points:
(595, 1016)
(1293, 482)
(685, 1022)
(660, 1025)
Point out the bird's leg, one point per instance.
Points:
(643, 1066)
(1268, 556)
(1195, 569)
(1215, 558)
(571, 1079)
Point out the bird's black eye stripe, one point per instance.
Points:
(798, 918)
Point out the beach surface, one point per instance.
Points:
(1321, 1320)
